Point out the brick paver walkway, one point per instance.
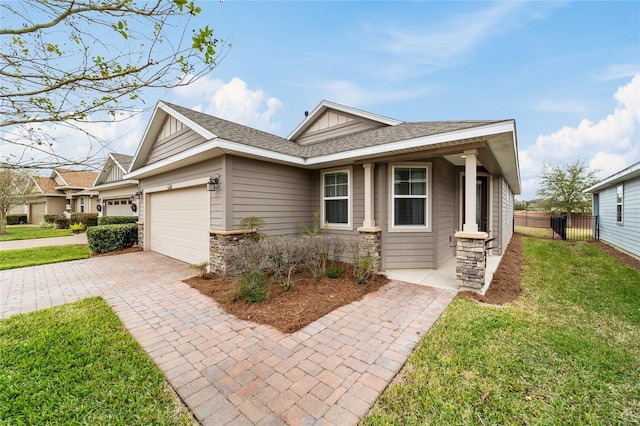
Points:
(230, 371)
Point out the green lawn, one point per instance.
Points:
(30, 232)
(20, 258)
(566, 353)
(77, 364)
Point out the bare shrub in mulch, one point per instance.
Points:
(289, 310)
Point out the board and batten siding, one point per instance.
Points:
(173, 144)
(624, 235)
(332, 124)
(200, 170)
(114, 175)
(278, 194)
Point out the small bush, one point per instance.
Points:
(47, 225)
(253, 286)
(51, 218)
(334, 271)
(16, 219)
(61, 222)
(88, 219)
(253, 223)
(202, 268)
(363, 269)
(116, 220)
(77, 227)
(107, 238)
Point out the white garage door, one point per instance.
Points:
(37, 213)
(118, 208)
(179, 223)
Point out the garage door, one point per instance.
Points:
(37, 213)
(118, 208)
(179, 223)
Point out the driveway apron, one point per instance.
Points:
(230, 371)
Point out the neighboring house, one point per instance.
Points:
(63, 190)
(616, 202)
(115, 194)
(404, 188)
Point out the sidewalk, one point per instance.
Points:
(80, 238)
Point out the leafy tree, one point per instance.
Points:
(562, 186)
(14, 191)
(73, 62)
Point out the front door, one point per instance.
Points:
(482, 203)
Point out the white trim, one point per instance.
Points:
(337, 226)
(630, 172)
(325, 105)
(621, 204)
(428, 204)
(112, 185)
(489, 201)
(178, 185)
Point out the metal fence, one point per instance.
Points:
(565, 227)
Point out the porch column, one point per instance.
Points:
(369, 221)
(470, 177)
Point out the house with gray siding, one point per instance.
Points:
(420, 193)
(616, 202)
(116, 195)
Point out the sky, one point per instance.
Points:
(567, 72)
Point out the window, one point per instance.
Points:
(336, 200)
(619, 202)
(410, 201)
(81, 204)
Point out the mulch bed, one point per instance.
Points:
(289, 310)
(630, 261)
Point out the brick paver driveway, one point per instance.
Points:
(230, 371)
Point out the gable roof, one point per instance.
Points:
(79, 179)
(46, 185)
(121, 161)
(631, 172)
(394, 137)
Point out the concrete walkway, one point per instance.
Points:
(230, 371)
(80, 238)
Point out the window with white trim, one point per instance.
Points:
(410, 197)
(619, 202)
(81, 204)
(336, 202)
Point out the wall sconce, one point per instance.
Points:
(212, 185)
(139, 195)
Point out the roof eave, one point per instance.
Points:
(630, 172)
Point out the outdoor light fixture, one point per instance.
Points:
(212, 185)
(139, 195)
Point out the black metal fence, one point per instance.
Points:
(565, 227)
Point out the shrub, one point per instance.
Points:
(88, 219)
(47, 225)
(202, 268)
(107, 238)
(334, 271)
(363, 269)
(16, 219)
(248, 255)
(116, 220)
(61, 222)
(77, 227)
(317, 253)
(254, 223)
(51, 218)
(253, 286)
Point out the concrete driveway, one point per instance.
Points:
(230, 371)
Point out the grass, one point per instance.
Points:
(31, 232)
(567, 352)
(20, 258)
(76, 364)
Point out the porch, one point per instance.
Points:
(443, 277)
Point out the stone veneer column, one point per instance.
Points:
(471, 259)
(140, 234)
(220, 243)
(370, 244)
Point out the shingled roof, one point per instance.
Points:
(77, 178)
(47, 185)
(239, 133)
(123, 159)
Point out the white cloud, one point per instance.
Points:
(233, 101)
(618, 71)
(86, 144)
(607, 145)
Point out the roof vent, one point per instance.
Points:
(306, 113)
